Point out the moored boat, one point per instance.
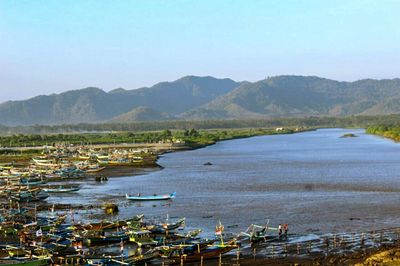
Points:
(24, 262)
(153, 197)
(180, 255)
(30, 195)
(61, 189)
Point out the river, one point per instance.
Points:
(315, 181)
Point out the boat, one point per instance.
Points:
(179, 255)
(166, 227)
(138, 259)
(24, 262)
(30, 195)
(61, 189)
(31, 181)
(257, 233)
(44, 162)
(142, 238)
(93, 238)
(94, 169)
(104, 225)
(153, 197)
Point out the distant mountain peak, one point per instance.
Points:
(117, 90)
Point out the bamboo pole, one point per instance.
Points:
(238, 256)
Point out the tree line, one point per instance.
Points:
(316, 121)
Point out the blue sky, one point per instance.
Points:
(54, 46)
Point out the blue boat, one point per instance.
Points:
(153, 197)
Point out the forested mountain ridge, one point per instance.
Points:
(288, 96)
(193, 98)
(96, 105)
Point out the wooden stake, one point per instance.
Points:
(238, 256)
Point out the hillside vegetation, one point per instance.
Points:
(387, 131)
(208, 98)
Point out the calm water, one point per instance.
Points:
(315, 181)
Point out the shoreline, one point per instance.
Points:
(24, 154)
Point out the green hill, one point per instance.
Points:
(95, 105)
(207, 98)
(141, 114)
(303, 96)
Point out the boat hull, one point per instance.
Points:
(150, 198)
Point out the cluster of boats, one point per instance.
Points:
(28, 239)
(104, 158)
(29, 182)
(32, 183)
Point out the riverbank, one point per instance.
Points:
(21, 148)
(385, 256)
(387, 131)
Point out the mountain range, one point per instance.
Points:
(194, 98)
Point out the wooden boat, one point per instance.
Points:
(142, 238)
(30, 195)
(138, 259)
(61, 189)
(103, 225)
(44, 162)
(24, 262)
(167, 227)
(31, 181)
(187, 246)
(148, 198)
(210, 252)
(103, 161)
(102, 157)
(94, 169)
(258, 233)
(97, 239)
(120, 162)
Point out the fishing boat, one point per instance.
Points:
(257, 233)
(153, 197)
(31, 181)
(98, 238)
(180, 255)
(142, 238)
(30, 195)
(138, 259)
(24, 262)
(41, 161)
(94, 169)
(104, 225)
(62, 189)
(166, 227)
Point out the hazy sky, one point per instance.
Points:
(53, 46)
